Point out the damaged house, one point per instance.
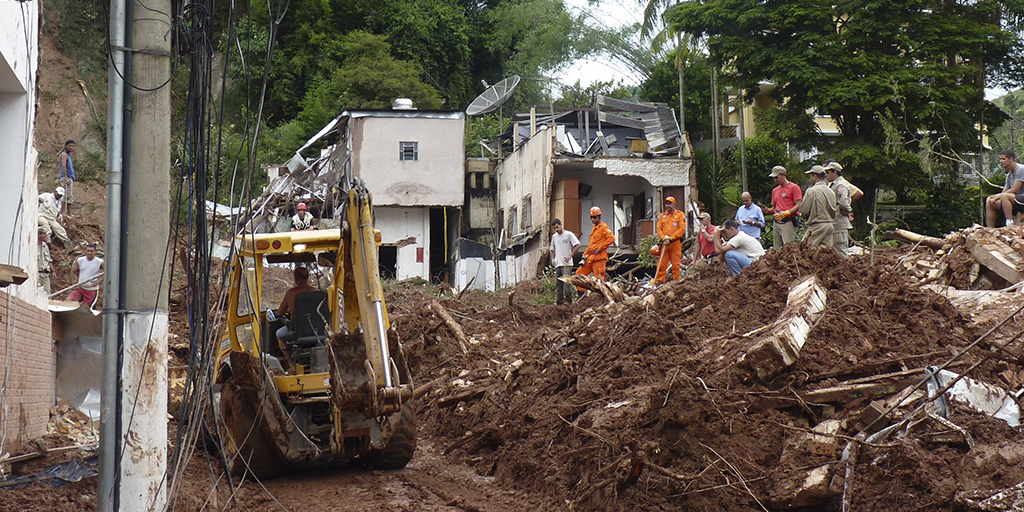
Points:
(622, 157)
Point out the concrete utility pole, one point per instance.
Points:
(139, 307)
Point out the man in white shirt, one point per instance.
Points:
(564, 246)
(302, 220)
(740, 251)
(88, 268)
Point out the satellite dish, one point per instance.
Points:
(493, 97)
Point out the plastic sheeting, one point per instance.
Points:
(80, 373)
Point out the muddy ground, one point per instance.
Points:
(641, 407)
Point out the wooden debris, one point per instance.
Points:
(612, 292)
(780, 347)
(440, 311)
(998, 257)
(914, 238)
(9, 274)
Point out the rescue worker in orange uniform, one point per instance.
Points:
(596, 256)
(671, 230)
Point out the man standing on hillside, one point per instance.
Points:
(49, 210)
(750, 216)
(786, 199)
(671, 230)
(1011, 199)
(88, 268)
(66, 177)
(819, 208)
(841, 225)
(595, 258)
(564, 245)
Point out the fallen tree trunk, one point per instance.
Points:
(610, 291)
(780, 347)
(440, 311)
(915, 238)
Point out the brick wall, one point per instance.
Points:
(27, 357)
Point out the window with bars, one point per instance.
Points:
(408, 151)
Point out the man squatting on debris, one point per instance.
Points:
(595, 258)
(704, 249)
(740, 251)
(1011, 199)
(819, 209)
(564, 246)
(786, 199)
(49, 211)
(671, 230)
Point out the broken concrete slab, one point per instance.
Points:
(986, 398)
(780, 347)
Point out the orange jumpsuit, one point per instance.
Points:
(673, 226)
(596, 255)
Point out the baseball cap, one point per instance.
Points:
(777, 170)
(59, 190)
(817, 169)
(835, 166)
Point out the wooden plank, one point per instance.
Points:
(780, 347)
(993, 255)
(9, 274)
(624, 106)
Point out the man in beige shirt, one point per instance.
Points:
(819, 208)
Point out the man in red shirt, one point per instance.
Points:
(786, 199)
(704, 249)
(671, 230)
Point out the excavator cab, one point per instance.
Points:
(350, 393)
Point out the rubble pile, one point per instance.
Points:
(806, 381)
(975, 258)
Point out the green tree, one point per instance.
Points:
(885, 72)
(663, 86)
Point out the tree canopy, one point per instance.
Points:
(903, 79)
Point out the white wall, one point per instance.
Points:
(398, 223)
(19, 58)
(483, 271)
(528, 171)
(437, 178)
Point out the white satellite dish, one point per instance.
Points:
(493, 97)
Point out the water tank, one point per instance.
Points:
(402, 104)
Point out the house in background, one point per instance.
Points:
(622, 157)
(26, 346)
(413, 162)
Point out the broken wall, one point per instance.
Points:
(409, 230)
(524, 185)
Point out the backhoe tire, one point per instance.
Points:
(402, 444)
(247, 448)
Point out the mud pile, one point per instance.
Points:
(640, 405)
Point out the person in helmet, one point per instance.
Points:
(302, 220)
(671, 231)
(596, 256)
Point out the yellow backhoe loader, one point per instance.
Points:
(349, 393)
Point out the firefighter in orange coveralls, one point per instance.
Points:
(596, 256)
(671, 230)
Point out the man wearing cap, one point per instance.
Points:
(302, 220)
(750, 216)
(786, 200)
(704, 249)
(44, 261)
(595, 258)
(49, 210)
(671, 230)
(564, 246)
(819, 208)
(841, 224)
